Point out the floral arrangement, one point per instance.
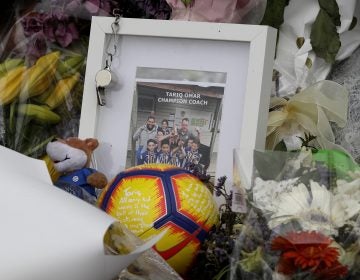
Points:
(303, 212)
(234, 11)
(303, 218)
(41, 27)
(57, 24)
(41, 77)
(42, 67)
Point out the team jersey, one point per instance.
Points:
(79, 178)
(164, 158)
(148, 157)
(191, 157)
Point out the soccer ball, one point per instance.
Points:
(151, 198)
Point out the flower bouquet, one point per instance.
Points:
(303, 218)
(42, 69)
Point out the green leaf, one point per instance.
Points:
(332, 9)
(274, 13)
(38, 149)
(33, 139)
(281, 146)
(324, 37)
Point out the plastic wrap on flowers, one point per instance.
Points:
(42, 71)
(231, 11)
(303, 218)
(149, 266)
(347, 73)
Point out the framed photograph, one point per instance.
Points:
(182, 93)
(180, 111)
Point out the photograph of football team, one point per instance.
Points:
(176, 123)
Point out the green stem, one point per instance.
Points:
(39, 146)
(222, 272)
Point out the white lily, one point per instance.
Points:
(293, 62)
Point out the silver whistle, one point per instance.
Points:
(103, 80)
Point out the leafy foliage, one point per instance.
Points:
(324, 38)
(274, 13)
(332, 9)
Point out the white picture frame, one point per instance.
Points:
(244, 52)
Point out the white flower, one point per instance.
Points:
(348, 193)
(291, 59)
(317, 209)
(266, 193)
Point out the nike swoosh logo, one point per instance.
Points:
(172, 251)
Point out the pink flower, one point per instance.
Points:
(93, 6)
(58, 28)
(211, 10)
(88, 8)
(33, 23)
(55, 27)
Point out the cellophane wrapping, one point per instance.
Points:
(302, 219)
(149, 266)
(42, 65)
(230, 11)
(42, 69)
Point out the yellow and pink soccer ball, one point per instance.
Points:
(151, 198)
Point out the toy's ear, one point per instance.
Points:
(91, 143)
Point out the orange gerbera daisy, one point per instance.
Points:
(308, 251)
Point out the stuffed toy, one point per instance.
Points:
(71, 158)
